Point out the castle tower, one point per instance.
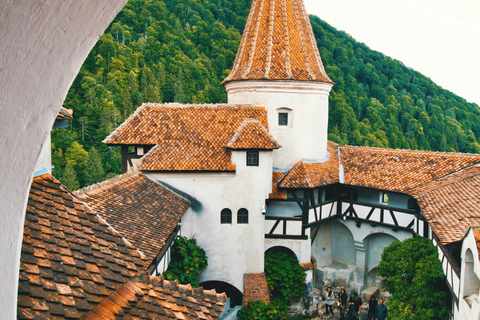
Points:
(278, 65)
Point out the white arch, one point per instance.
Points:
(374, 244)
(43, 45)
(471, 283)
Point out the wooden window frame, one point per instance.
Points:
(242, 216)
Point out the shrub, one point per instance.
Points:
(187, 261)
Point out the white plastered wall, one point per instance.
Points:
(43, 44)
(305, 137)
(470, 280)
(232, 249)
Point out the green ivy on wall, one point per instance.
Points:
(285, 281)
(187, 261)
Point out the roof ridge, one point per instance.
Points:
(270, 39)
(295, 7)
(287, 40)
(411, 151)
(444, 177)
(238, 133)
(125, 122)
(104, 183)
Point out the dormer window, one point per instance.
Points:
(384, 198)
(252, 158)
(283, 118)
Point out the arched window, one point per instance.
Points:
(242, 216)
(226, 216)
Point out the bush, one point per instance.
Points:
(285, 281)
(285, 276)
(414, 276)
(187, 261)
(260, 310)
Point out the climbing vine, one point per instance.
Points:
(285, 281)
(187, 261)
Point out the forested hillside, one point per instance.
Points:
(164, 51)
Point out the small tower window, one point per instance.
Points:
(242, 216)
(226, 216)
(283, 119)
(252, 158)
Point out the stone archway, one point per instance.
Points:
(471, 283)
(334, 244)
(234, 295)
(44, 44)
(374, 245)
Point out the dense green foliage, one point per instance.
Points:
(187, 261)
(285, 281)
(414, 276)
(164, 51)
(285, 276)
(259, 310)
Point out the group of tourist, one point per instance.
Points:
(377, 310)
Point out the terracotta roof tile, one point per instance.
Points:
(186, 137)
(399, 170)
(313, 175)
(476, 234)
(451, 204)
(141, 210)
(278, 44)
(145, 297)
(65, 114)
(277, 193)
(47, 283)
(251, 134)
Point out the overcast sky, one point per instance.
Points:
(438, 38)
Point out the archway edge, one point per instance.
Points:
(44, 44)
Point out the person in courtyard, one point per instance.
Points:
(372, 308)
(382, 310)
(356, 302)
(329, 296)
(342, 299)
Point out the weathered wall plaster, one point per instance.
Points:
(43, 45)
(305, 138)
(232, 249)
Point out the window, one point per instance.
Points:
(283, 119)
(252, 158)
(226, 216)
(242, 216)
(384, 198)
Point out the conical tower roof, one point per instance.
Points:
(278, 44)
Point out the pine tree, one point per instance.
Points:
(94, 169)
(69, 177)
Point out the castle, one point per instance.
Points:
(259, 173)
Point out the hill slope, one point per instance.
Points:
(163, 51)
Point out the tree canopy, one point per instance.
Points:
(414, 276)
(165, 51)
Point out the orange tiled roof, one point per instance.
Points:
(251, 134)
(278, 44)
(187, 137)
(476, 234)
(142, 211)
(451, 204)
(399, 170)
(65, 114)
(71, 260)
(313, 175)
(145, 297)
(277, 193)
